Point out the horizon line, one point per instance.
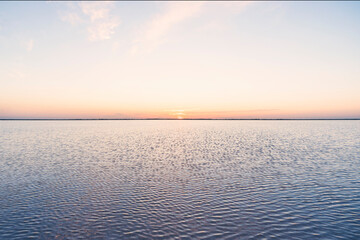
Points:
(128, 119)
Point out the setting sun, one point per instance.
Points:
(179, 119)
(198, 59)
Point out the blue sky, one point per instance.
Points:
(181, 59)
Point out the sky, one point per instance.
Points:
(180, 59)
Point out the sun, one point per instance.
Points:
(177, 114)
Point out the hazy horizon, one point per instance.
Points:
(179, 60)
(175, 118)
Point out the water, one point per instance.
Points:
(180, 179)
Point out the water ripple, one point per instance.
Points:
(179, 179)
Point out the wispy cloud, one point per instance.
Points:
(100, 24)
(96, 10)
(95, 16)
(155, 30)
(102, 30)
(71, 17)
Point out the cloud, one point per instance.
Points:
(96, 18)
(71, 17)
(102, 30)
(29, 45)
(154, 32)
(96, 10)
(156, 29)
(100, 24)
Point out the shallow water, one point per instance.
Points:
(180, 179)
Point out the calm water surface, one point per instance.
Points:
(180, 179)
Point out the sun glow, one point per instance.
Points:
(178, 114)
(116, 62)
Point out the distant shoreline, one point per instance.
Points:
(129, 119)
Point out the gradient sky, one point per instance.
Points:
(180, 59)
